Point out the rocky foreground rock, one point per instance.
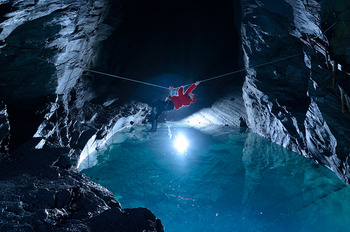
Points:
(41, 193)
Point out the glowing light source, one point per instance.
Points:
(181, 143)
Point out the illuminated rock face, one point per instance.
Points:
(42, 93)
(292, 102)
(43, 43)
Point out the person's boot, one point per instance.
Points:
(154, 126)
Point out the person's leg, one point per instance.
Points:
(155, 113)
(154, 126)
(158, 107)
(169, 105)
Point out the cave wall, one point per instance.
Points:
(293, 100)
(44, 44)
(45, 92)
(47, 115)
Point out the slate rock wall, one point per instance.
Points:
(290, 99)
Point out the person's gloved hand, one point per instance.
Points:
(172, 91)
(197, 83)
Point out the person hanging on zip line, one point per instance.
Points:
(176, 99)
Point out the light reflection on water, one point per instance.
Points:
(234, 182)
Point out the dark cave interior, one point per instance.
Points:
(170, 43)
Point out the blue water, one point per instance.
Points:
(230, 182)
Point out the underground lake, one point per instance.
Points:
(230, 180)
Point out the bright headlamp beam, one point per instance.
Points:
(181, 143)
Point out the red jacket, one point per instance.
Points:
(182, 99)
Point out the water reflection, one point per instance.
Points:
(231, 182)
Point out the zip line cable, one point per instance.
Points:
(125, 78)
(337, 19)
(326, 30)
(255, 66)
(209, 79)
(271, 62)
(215, 77)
